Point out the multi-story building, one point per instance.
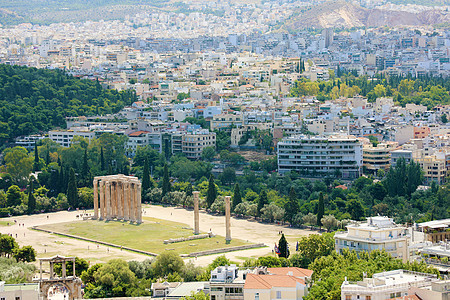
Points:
(396, 155)
(336, 155)
(192, 143)
(267, 287)
(142, 138)
(222, 121)
(434, 168)
(227, 283)
(436, 231)
(65, 137)
(379, 157)
(386, 285)
(375, 234)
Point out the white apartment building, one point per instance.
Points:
(376, 234)
(386, 285)
(336, 155)
(65, 137)
(142, 138)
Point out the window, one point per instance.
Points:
(278, 294)
(17, 298)
(213, 297)
(348, 297)
(368, 297)
(256, 296)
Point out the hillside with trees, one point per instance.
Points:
(37, 100)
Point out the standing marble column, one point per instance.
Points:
(95, 199)
(139, 203)
(108, 200)
(227, 219)
(133, 202)
(102, 200)
(120, 200)
(196, 213)
(126, 201)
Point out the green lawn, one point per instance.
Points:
(148, 236)
(4, 223)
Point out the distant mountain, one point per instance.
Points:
(346, 15)
(9, 17)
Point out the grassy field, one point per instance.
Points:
(4, 223)
(148, 236)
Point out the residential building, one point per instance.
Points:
(142, 138)
(227, 282)
(65, 137)
(434, 168)
(267, 287)
(226, 121)
(28, 142)
(436, 231)
(377, 158)
(192, 143)
(334, 155)
(21, 291)
(162, 289)
(375, 234)
(407, 155)
(440, 290)
(386, 285)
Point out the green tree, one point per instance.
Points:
(211, 193)
(13, 196)
(329, 222)
(291, 207)
(18, 164)
(314, 246)
(197, 296)
(85, 169)
(81, 265)
(146, 178)
(355, 209)
(102, 160)
(31, 198)
(166, 186)
(36, 158)
(25, 254)
(7, 245)
(236, 196)
(167, 263)
(113, 279)
(208, 153)
(283, 247)
(72, 191)
(320, 210)
(262, 200)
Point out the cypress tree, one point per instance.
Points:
(145, 177)
(291, 207)
(189, 190)
(262, 200)
(320, 210)
(47, 156)
(236, 196)
(72, 192)
(36, 158)
(31, 198)
(85, 168)
(166, 187)
(283, 247)
(102, 160)
(62, 181)
(211, 193)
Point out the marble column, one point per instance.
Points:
(139, 203)
(126, 199)
(227, 219)
(133, 202)
(120, 200)
(108, 200)
(102, 200)
(196, 213)
(95, 199)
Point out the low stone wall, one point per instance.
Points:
(224, 250)
(94, 241)
(189, 238)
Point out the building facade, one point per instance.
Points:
(376, 234)
(335, 155)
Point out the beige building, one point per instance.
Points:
(436, 231)
(440, 290)
(65, 137)
(379, 157)
(192, 143)
(434, 168)
(222, 121)
(386, 285)
(268, 287)
(376, 234)
(22, 291)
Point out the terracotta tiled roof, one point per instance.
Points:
(138, 133)
(297, 272)
(254, 281)
(409, 297)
